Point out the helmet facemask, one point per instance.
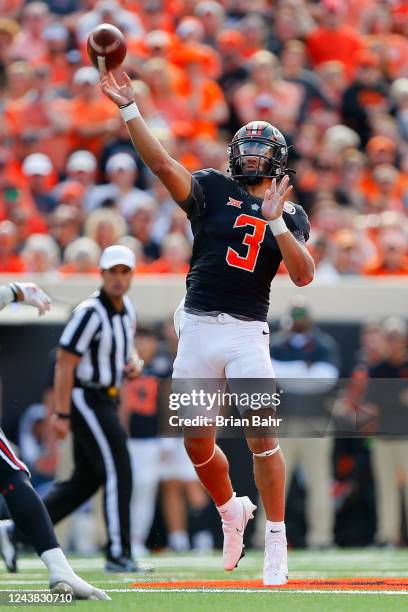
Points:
(254, 159)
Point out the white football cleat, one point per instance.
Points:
(275, 572)
(233, 549)
(67, 582)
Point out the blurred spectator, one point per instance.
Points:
(174, 257)
(8, 30)
(389, 456)
(81, 257)
(267, 96)
(19, 77)
(94, 117)
(65, 226)
(204, 97)
(211, 15)
(347, 257)
(381, 37)
(142, 402)
(40, 254)
(306, 363)
(50, 120)
(366, 95)
(34, 447)
(37, 168)
(332, 39)
(10, 261)
(399, 95)
(72, 194)
(294, 70)
(255, 34)
(325, 271)
(392, 258)
(169, 102)
(140, 226)
(105, 227)
(184, 501)
(28, 43)
(56, 37)
(109, 11)
(134, 245)
(121, 170)
(81, 167)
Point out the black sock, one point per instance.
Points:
(29, 513)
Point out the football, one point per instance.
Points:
(106, 47)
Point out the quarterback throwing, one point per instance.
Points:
(243, 226)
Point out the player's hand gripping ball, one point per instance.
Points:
(106, 47)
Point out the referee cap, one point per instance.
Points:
(117, 255)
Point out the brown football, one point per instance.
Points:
(106, 47)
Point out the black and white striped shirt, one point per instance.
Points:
(102, 337)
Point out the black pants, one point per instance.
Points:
(101, 458)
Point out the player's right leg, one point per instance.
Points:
(31, 517)
(200, 361)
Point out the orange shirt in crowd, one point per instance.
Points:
(70, 268)
(377, 269)
(10, 8)
(42, 115)
(324, 45)
(393, 50)
(12, 264)
(162, 266)
(86, 113)
(371, 191)
(285, 97)
(58, 66)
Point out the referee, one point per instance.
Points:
(96, 351)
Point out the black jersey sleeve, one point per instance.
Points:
(195, 204)
(297, 221)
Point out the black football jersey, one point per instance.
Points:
(235, 255)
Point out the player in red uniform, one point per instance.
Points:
(243, 227)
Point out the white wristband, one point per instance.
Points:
(278, 226)
(129, 112)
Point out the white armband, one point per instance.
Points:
(129, 111)
(7, 296)
(278, 226)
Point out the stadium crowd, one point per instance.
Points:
(331, 75)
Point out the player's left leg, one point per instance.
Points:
(269, 472)
(249, 370)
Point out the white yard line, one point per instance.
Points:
(252, 591)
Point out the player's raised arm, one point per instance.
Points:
(172, 174)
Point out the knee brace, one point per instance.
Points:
(267, 453)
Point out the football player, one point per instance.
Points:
(243, 226)
(24, 504)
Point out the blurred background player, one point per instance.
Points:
(140, 406)
(390, 456)
(184, 501)
(306, 363)
(24, 504)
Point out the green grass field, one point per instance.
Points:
(172, 568)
